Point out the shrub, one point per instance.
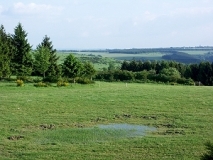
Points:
(62, 83)
(185, 81)
(41, 84)
(84, 80)
(52, 79)
(20, 83)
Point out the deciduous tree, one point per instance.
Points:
(42, 57)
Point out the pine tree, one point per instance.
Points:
(22, 61)
(6, 51)
(54, 70)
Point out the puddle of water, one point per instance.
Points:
(100, 133)
(129, 130)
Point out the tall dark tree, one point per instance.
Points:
(164, 64)
(6, 50)
(188, 72)
(181, 68)
(133, 66)
(154, 64)
(22, 61)
(124, 65)
(205, 73)
(194, 71)
(54, 69)
(158, 67)
(147, 65)
(140, 66)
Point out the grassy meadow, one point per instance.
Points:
(60, 122)
(101, 60)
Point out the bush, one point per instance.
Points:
(62, 83)
(84, 80)
(185, 81)
(52, 79)
(20, 83)
(41, 84)
(209, 154)
(141, 75)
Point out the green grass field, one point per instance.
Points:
(105, 58)
(60, 123)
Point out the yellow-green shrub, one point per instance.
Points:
(41, 84)
(62, 83)
(19, 83)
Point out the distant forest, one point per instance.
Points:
(178, 54)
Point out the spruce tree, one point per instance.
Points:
(6, 51)
(54, 70)
(22, 59)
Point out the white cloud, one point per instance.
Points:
(34, 9)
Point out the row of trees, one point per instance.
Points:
(17, 58)
(202, 72)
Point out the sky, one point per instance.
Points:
(110, 24)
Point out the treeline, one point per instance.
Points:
(170, 50)
(17, 58)
(161, 71)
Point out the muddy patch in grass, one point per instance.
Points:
(129, 130)
(99, 133)
(15, 137)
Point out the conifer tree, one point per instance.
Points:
(22, 61)
(6, 51)
(53, 69)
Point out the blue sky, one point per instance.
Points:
(107, 24)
